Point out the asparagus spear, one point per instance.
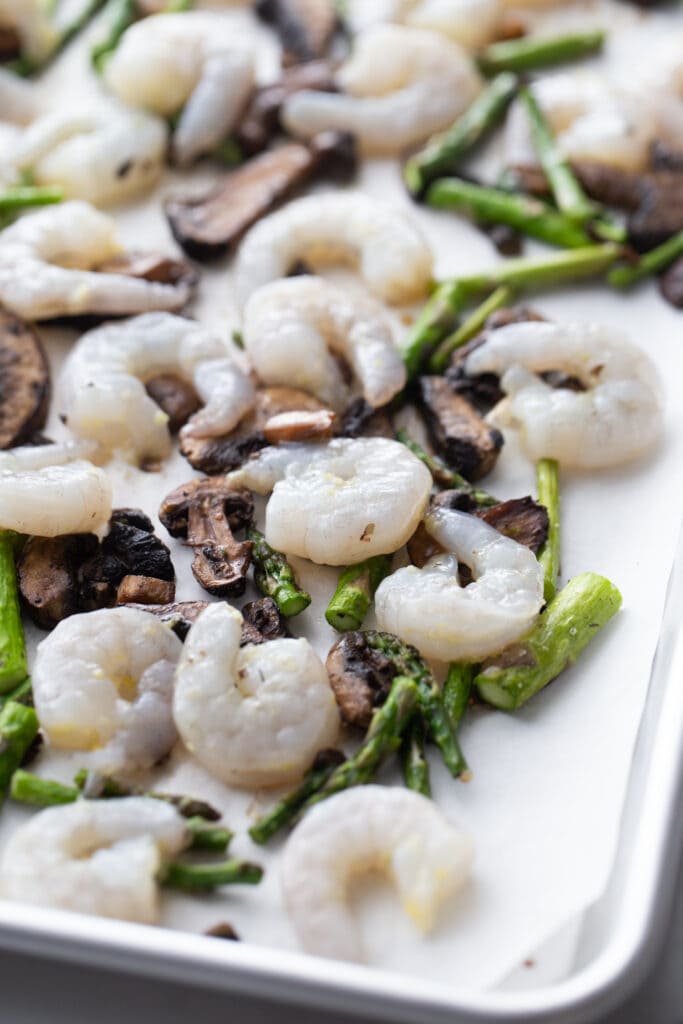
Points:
(438, 318)
(537, 273)
(27, 788)
(208, 837)
(275, 577)
(18, 729)
(193, 877)
(567, 625)
(496, 206)
(548, 486)
(470, 327)
(16, 197)
(13, 664)
(355, 590)
(442, 153)
(456, 691)
(22, 694)
(104, 787)
(413, 761)
(443, 475)
(287, 809)
(653, 261)
(531, 52)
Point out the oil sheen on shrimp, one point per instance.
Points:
(472, 23)
(46, 261)
(254, 715)
(430, 609)
(370, 828)
(346, 228)
(399, 86)
(103, 391)
(104, 155)
(616, 419)
(103, 685)
(95, 857)
(52, 490)
(188, 62)
(341, 503)
(293, 329)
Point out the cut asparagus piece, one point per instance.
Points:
(531, 52)
(567, 625)
(208, 837)
(13, 664)
(470, 327)
(442, 153)
(495, 206)
(652, 262)
(17, 197)
(194, 877)
(22, 694)
(413, 760)
(443, 475)
(438, 318)
(548, 486)
(286, 810)
(27, 788)
(275, 577)
(559, 268)
(456, 691)
(18, 730)
(355, 590)
(104, 787)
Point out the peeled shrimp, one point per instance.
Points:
(617, 419)
(51, 490)
(37, 31)
(190, 62)
(45, 268)
(339, 504)
(103, 391)
(104, 155)
(103, 684)
(256, 715)
(94, 856)
(292, 327)
(18, 102)
(399, 86)
(339, 227)
(472, 23)
(371, 828)
(429, 608)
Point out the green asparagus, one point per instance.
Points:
(567, 625)
(355, 590)
(532, 52)
(17, 197)
(442, 153)
(18, 730)
(104, 787)
(652, 262)
(275, 577)
(548, 486)
(540, 273)
(194, 877)
(438, 318)
(443, 475)
(287, 809)
(413, 761)
(208, 837)
(27, 788)
(456, 691)
(470, 327)
(22, 694)
(13, 664)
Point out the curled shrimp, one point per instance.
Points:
(339, 228)
(399, 86)
(618, 417)
(103, 155)
(94, 856)
(190, 62)
(51, 490)
(38, 32)
(430, 609)
(103, 684)
(340, 504)
(370, 828)
(472, 23)
(256, 715)
(103, 391)
(293, 327)
(45, 268)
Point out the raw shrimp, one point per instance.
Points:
(94, 856)
(429, 608)
(342, 503)
(372, 828)
(292, 327)
(37, 31)
(256, 715)
(103, 155)
(18, 101)
(339, 227)
(617, 419)
(51, 490)
(103, 684)
(472, 23)
(45, 268)
(193, 62)
(103, 391)
(399, 86)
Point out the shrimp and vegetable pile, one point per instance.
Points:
(344, 421)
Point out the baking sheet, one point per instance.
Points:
(549, 782)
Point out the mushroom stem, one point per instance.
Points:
(355, 590)
(275, 578)
(13, 664)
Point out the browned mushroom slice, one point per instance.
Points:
(262, 622)
(176, 397)
(179, 615)
(528, 178)
(10, 43)
(299, 426)
(610, 185)
(48, 575)
(205, 513)
(660, 213)
(671, 284)
(664, 157)
(360, 419)
(222, 454)
(24, 382)
(360, 678)
(306, 27)
(150, 266)
(144, 590)
(467, 443)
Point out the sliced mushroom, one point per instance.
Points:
(467, 443)
(671, 284)
(151, 266)
(48, 576)
(176, 397)
(144, 590)
(131, 539)
(10, 43)
(205, 513)
(664, 158)
(306, 27)
(608, 184)
(299, 426)
(360, 678)
(24, 381)
(222, 454)
(660, 213)
(207, 226)
(262, 622)
(360, 419)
